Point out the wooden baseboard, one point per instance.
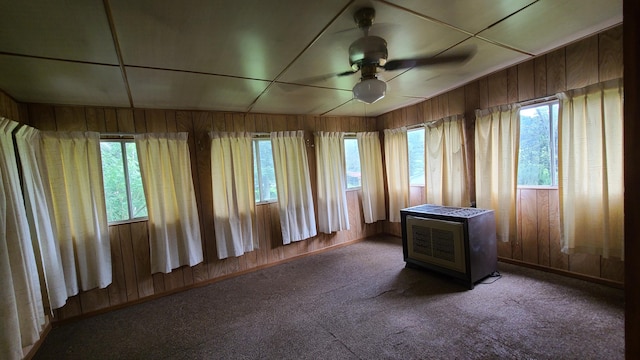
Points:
(602, 281)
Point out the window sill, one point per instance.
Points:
(130, 221)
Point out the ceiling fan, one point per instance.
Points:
(369, 55)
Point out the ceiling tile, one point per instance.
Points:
(471, 16)
(293, 99)
(547, 25)
(429, 81)
(179, 90)
(62, 82)
(252, 39)
(61, 29)
(407, 36)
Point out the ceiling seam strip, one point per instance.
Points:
(315, 39)
(39, 57)
(116, 44)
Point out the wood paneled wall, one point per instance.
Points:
(132, 279)
(9, 108)
(594, 59)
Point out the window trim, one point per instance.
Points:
(419, 127)
(548, 101)
(256, 159)
(351, 136)
(123, 140)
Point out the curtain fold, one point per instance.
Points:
(21, 307)
(496, 146)
(174, 225)
(446, 164)
(591, 170)
(395, 147)
(372, 188)
(233, 193)
(295, 201)
(74, 168)
(333, 214)
(40, 212)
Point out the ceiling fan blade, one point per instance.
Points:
(437, 60)
(320, 78)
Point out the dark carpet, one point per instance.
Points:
(359, 302)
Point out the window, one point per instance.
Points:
(538, 156)
(264, 176)
(415, 145)
(123, 191)
(352, 163)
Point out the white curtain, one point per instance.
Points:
(174, 225)
(21, 308)
(446, 164)
(74, 167)
(372, 188)
(295, 202)
(496, 146)
(233, 193)
(40, 212)
(333, 214)
(591, 179)
(397, 165)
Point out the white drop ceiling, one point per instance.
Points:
(265, 56)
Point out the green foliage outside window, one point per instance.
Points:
(264, 175)
(123, 191)
(352, 163)
(538, 159)
(415, 146)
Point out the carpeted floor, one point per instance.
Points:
(359, 302)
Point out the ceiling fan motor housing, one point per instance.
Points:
(368, 50)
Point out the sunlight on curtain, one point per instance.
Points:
(295, 202)
(496, 146)
(333, 213)
(397, 165)
(591, 179)
(74, 167)
(21, 307)
(372, 188)
(446, 164)
(38, 203)
(234, 206)
(174, 225)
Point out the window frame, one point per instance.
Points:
(553, 148)
(127, 179)
(351, 137)
(424, 162)
(255, 148)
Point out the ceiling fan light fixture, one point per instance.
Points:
(369, 90)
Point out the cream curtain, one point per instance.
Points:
(496, 146)
(234, 207)
(372, 188)
(397, 165)
(446, 164)
(21, 307)
(590, 171)
(74, 167)
(333, 214)
(38, 203)
(174, 225)
(295, 201)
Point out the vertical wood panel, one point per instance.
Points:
(512, 85)
(516, 246)
(118, 287)
(125, 121)
(128, 261)
(582, 63)
(540, 77)
(610, 54)
(556, 74)
(585, 264)
(140, 242)
(497, 86)
(542, 209)
(529, 215)
(95, 119)
(42, 117)
(70, 118)
(526, 81)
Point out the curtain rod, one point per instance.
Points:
(538, 100)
